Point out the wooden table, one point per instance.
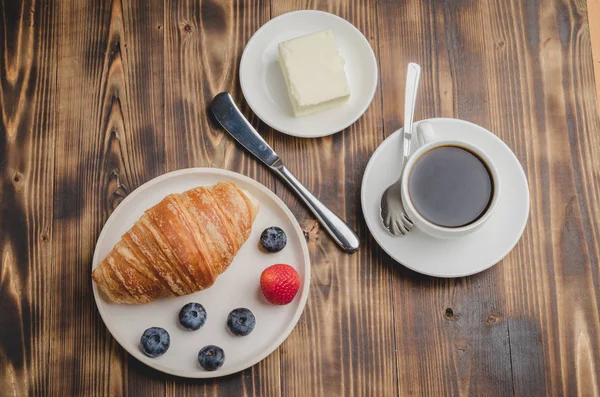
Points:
(97, 98)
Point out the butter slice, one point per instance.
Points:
(314, 73)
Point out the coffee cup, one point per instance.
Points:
(450, 187)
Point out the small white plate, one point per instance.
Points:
(453, 257)
(264, 87)
(237, 287)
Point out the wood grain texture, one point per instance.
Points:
(91, 165)
(451, 335)
(349, 316)
(593, 8)
(98, 97)
(28, 129)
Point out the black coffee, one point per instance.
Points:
(450, 186)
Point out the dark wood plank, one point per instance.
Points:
(141, 30)
(544, 107)
(28, 129)
(204, 41)
(88, 150)
(110, 103)
(450, 338)
(343, 344)
(511, 47)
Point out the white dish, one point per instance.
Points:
(462, 256)
(236, 287)
(264, 87)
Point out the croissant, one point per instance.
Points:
(179, 246)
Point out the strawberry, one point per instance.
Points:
(280, 284)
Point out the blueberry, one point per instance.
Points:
(241, 322)
(192, 316)
(155, 342)
(211, 357)
(273, 239)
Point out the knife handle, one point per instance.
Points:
(339, 230)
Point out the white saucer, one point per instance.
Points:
(237, 287)
(264, 88)
(456, 257)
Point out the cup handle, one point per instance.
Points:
(425, 133)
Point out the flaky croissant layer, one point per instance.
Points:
(179, 246)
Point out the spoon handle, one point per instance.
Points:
(410, 97)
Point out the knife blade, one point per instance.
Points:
(228, 115)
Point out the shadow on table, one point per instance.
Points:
(410, 276)
(142, 371)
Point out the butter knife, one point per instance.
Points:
(234, 122)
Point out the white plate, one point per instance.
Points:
(453, 257)
(236, 287)
(264, 88)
